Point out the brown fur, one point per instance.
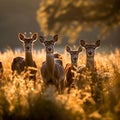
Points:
(20, 64)
(90, 51)
(52, 71)
(72, 67)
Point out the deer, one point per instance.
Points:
(20, 64)
(52, 70)
(72, 68)
(90, 52)
(96, 84)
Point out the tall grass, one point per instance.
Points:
(19, 100)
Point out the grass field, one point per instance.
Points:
(19, 100)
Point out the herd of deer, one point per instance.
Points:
(52, 69)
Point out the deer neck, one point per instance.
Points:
(50, 63)
(28, 58)
(90, 63)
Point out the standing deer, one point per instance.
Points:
(73, 66)
(90, 51)
(52, 70)
(96, 85)
(19, 64)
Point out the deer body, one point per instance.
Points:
(47, 69)
(19, 64)
(69, 74)
(73, 66)
(52, 70)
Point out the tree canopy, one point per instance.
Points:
(70, 17)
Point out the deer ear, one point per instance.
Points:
(97, 43)
(55, 38)
(34, 36)
(21, 37)
(41, 38)
(68, 48)
(82, 43)
(79, 49)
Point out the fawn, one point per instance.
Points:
(19, 64)
(52, 70)
(90, 51)
(73, 66)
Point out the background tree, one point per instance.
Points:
(69, 18)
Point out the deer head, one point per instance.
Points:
(49, 44)
(90, 47)
(28, 41)
(73, 53)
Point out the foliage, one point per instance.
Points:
(20, 100)
(71, 17)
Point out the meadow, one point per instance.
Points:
(19, 100)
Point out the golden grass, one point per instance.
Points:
(20, 100)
